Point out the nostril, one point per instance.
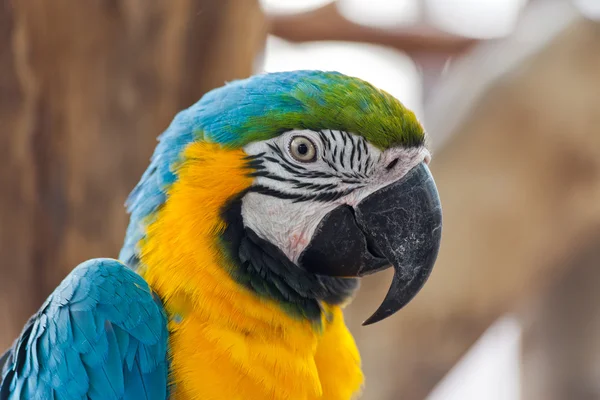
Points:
(392, 164)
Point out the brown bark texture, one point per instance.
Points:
(519, 181)
(85, 88)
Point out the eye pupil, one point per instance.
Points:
(302, 149)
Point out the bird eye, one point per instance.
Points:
(303, 149)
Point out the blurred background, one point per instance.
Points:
(509, 91)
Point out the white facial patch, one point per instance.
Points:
(289, 197)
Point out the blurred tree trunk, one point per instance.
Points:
(85, 88)
(561, 341)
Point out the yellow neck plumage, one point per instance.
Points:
(226, 342)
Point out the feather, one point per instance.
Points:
(98, 323)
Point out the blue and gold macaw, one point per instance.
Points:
(262, 206)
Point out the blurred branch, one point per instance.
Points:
(519, 181)
(327, 23)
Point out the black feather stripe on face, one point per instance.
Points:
(347, 163)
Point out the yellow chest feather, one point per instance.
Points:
(226, 342)
(213, 362)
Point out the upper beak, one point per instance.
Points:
(404, 223)
(399, 224)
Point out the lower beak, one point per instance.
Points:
(399, 224)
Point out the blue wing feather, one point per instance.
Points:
(101, 335)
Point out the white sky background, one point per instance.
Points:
(491, 369)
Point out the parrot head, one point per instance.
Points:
(337, 186)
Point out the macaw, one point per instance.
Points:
(262, 206)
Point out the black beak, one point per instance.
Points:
(400, 224)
